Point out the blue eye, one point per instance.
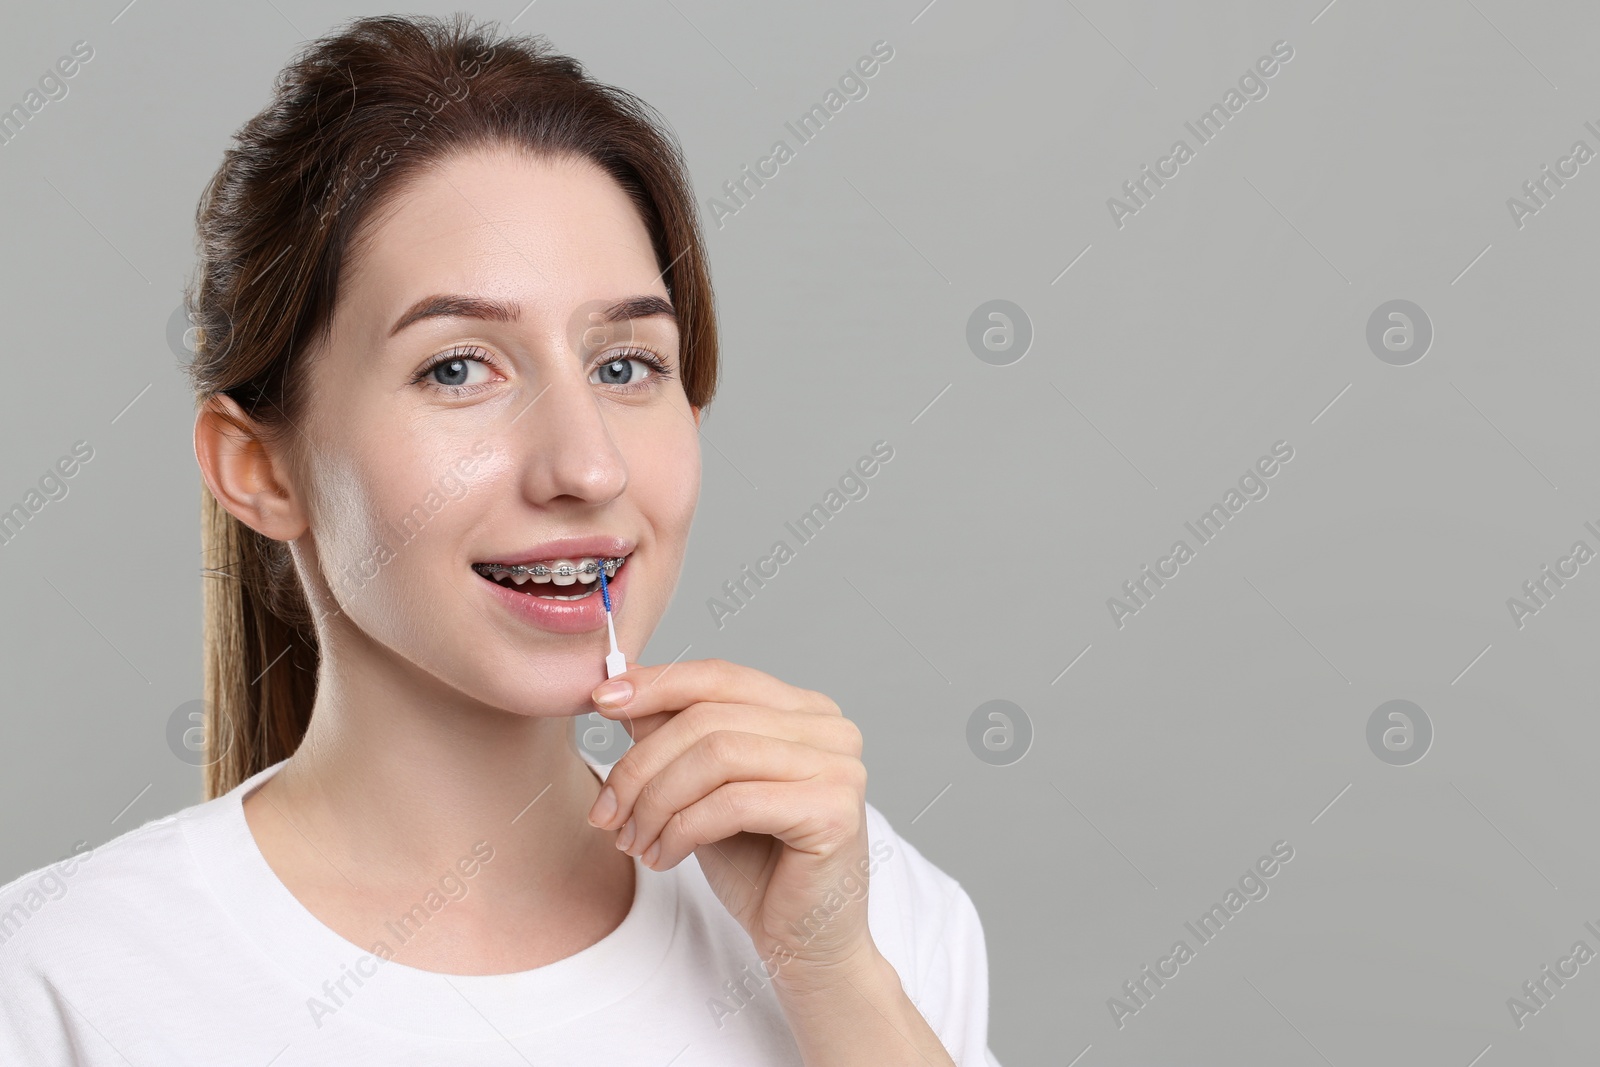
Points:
(456, 370)
(621, 372)
(452, 372)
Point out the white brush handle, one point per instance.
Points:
(616, 662)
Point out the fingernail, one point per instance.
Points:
(625, 838)
(652, 853)
(604, 808)
(613, 694)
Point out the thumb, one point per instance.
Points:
(639, 727)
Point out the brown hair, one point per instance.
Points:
(353, 118)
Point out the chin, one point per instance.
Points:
(558, 688)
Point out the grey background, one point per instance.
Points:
(1228, 314)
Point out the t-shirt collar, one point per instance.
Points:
(407, 998)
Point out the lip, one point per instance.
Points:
(567, 548)
(565, 616)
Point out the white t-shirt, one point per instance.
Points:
(177, 944)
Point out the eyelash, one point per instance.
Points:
(658, 368)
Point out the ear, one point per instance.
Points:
(242, 471)
(696, 415)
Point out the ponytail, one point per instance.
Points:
(260, 652)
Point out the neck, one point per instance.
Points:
(399, 778)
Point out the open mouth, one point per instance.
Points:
(553, 579)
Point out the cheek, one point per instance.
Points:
(344, 512)
(664, 475)
(374, 508)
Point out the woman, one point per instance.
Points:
(458, 338)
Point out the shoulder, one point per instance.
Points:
(90, 913)
(99, 896)
(132, 927)
(910, 899)
(926, 926)
(900, 866)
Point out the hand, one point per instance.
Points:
(764, 783)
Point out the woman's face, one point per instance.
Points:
(439, 435)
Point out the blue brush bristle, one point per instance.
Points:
(604, 594)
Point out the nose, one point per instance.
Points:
(569, 453)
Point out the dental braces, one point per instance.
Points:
(563, 570)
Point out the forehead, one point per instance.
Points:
(547, 233)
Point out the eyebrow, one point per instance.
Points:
(477, 307)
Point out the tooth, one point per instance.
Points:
(558, 596)
(585, 570)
